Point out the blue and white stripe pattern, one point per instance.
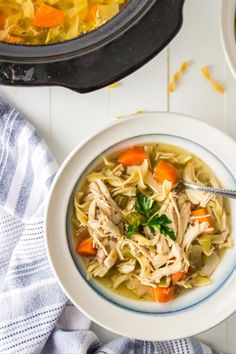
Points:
(30, 298)
(31, 301)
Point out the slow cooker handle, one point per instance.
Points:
(110, 63)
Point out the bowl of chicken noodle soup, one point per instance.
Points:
(131, 240)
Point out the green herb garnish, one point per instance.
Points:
(131, 229)
(145, 205)
(167, 231)
(148, 208)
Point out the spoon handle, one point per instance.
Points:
(229, 193)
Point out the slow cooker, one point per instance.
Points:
(118, 48)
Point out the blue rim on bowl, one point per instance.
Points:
(132, 305)
(202, 140)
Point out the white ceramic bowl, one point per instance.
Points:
(228, 33)
(198, 310)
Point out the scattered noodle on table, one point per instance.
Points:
(177, 75)
(131, 114)
(206, 73)
(114, 85)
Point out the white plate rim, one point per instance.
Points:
(228, 40)
(108, 322)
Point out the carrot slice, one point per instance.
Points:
(48, 16)
(15, 39)
(177, 276)
(85, 248)
(132, 156)
(163, 294)
(165, 171)
(202, 215)
(92, 13)
(2, 21)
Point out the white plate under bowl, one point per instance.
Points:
(228, 8)
(186, 315)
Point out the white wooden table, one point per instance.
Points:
(64, 117)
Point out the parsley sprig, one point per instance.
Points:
(145, 206)
(131, 229)
(148, 208)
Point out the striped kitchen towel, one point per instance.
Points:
(31, 301)
(30, 298)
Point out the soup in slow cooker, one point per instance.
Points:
(44, 22)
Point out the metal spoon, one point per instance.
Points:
(229, 193)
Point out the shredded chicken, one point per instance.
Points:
(92, 210)
(118, 280)
(126, 267)
(135, 285)
(192, 233)
(104, 201)
(177, 262)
